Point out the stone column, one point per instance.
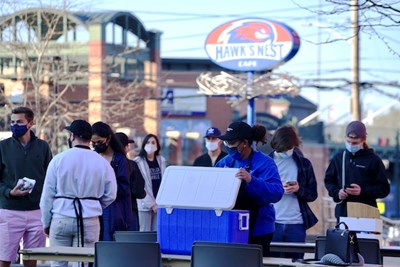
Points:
(97, 72)
(152, 103)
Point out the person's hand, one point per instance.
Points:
(354, 190)
(342, 194)
(154, 208)
(243, 175)
(17, 192)
(291, 187)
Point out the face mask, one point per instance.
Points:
(211, 146)
(18, 130)
(353, 148)
(285, 155)
(69, 142)
(150, 148)
(234, 153)
(100, 148)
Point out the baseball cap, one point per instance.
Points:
(238, 130)
(356, 129)
(123, 138)
(80, 128)
(213, 132)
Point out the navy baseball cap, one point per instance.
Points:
(213, 132)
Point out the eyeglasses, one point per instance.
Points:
(232, 143)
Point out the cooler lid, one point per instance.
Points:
(198, 188)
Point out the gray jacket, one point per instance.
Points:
(149, 201)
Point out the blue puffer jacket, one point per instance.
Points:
(258, 195)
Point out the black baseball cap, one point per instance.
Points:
(238, 130)
(123, 138)
(80, 128)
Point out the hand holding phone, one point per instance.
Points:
(348, 186)
(291, 183)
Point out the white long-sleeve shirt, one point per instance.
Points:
(77, 172)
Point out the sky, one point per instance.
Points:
(186, 24)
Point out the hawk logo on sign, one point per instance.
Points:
(251, 32)
(252, 44)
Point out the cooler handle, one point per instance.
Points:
(244, 219)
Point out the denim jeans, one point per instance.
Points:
(147, 221)
(63, 232)
(289, 233)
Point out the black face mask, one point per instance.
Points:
(100, 148)
(69, 142)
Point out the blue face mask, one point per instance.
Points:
(234, 153)
(353, 148)
(18, 130)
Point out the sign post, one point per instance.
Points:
(251, 118)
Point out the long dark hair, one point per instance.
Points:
(143, 152)
(259, 134)
(104, 130)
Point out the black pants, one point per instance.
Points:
(264, 241)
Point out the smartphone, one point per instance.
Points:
(348, 186)
(25, 186)
(291, 183)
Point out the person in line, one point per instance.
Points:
(293, 215)
(214, 151)
(261, 185)
(22, 155)
(136, 180)
(152, 166)
(364, 178)
(118, 215)
(79, 185)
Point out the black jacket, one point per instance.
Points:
(137, 184)
(17, 162)
(364, 168)
(205, 160)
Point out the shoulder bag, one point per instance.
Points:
(344, 244)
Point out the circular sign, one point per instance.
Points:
(252, 44)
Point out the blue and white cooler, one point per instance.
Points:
(195, 204)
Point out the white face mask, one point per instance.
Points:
(211, 146)
(353, 148)
(285, 155)
(150, 148)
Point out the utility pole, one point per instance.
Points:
(396, 173)
(355, 53)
